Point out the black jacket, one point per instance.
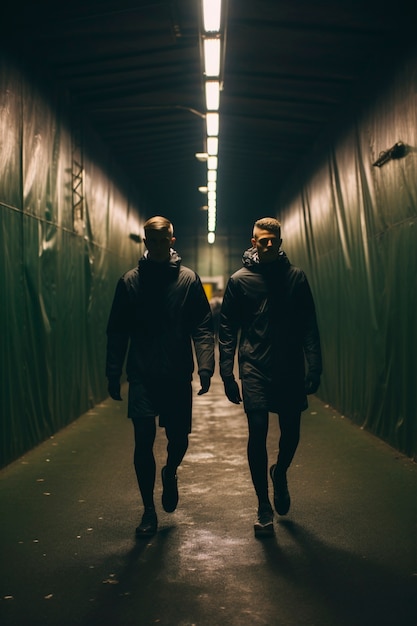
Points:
(159, 308)
(270, 308)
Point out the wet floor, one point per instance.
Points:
(345, 555)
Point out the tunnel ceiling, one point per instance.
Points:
(133, 66)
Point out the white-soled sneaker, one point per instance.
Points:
(264, 525)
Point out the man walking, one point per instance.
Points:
(269, 306)
(159, 310)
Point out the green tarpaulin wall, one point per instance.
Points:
(353, 226)
(57, 272)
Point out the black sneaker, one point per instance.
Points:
(148, 525)
(170, 492)
(282, 500)
(264, 525)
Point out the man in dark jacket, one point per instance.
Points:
(269, 306)
(159, 309)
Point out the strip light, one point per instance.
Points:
(212, 57)
(212, 146)
(212, 95)
(212, 162)
(212, 45)
(212, 124)
(212, 10)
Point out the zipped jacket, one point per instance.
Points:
(158, 310)
(269, 309)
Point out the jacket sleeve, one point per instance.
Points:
(202, 328)
(311, 335)
(228, 329)
(117, 332)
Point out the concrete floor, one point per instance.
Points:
(345, 555)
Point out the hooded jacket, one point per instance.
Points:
(157, 311)
(269, 309)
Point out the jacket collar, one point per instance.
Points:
(250, 259)
(168, 268)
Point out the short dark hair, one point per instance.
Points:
(158, 223)
(268, 223)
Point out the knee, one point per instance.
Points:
(257, 424)
(145, 432)
(178, 440)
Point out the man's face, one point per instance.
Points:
(158, 243)
(267, 245)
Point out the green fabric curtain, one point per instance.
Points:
(353, 227)
(57, 283)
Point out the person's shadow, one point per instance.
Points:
(351, 590)
(311, 583)
(136, 594)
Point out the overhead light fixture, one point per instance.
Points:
(211, 220)
(212, 162)
(212, 146)
(212, 57)
(212, 50)
(212, 10)
(203, 189)
(212, 123)
(201, 156)
(212, 95)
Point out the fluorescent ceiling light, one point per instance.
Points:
(212, 146)
(201, 156)
(212, 57)
(212, 163)
(212, 123)
(212, 49)
(212, 10)
(203, 189)
(212, 95)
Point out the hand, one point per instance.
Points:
(312, 383)
(205, 380)
(113, 388)
(231, 389)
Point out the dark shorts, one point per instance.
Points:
(171, 401)
(260, 394)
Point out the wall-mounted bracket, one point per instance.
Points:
(398, 151)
